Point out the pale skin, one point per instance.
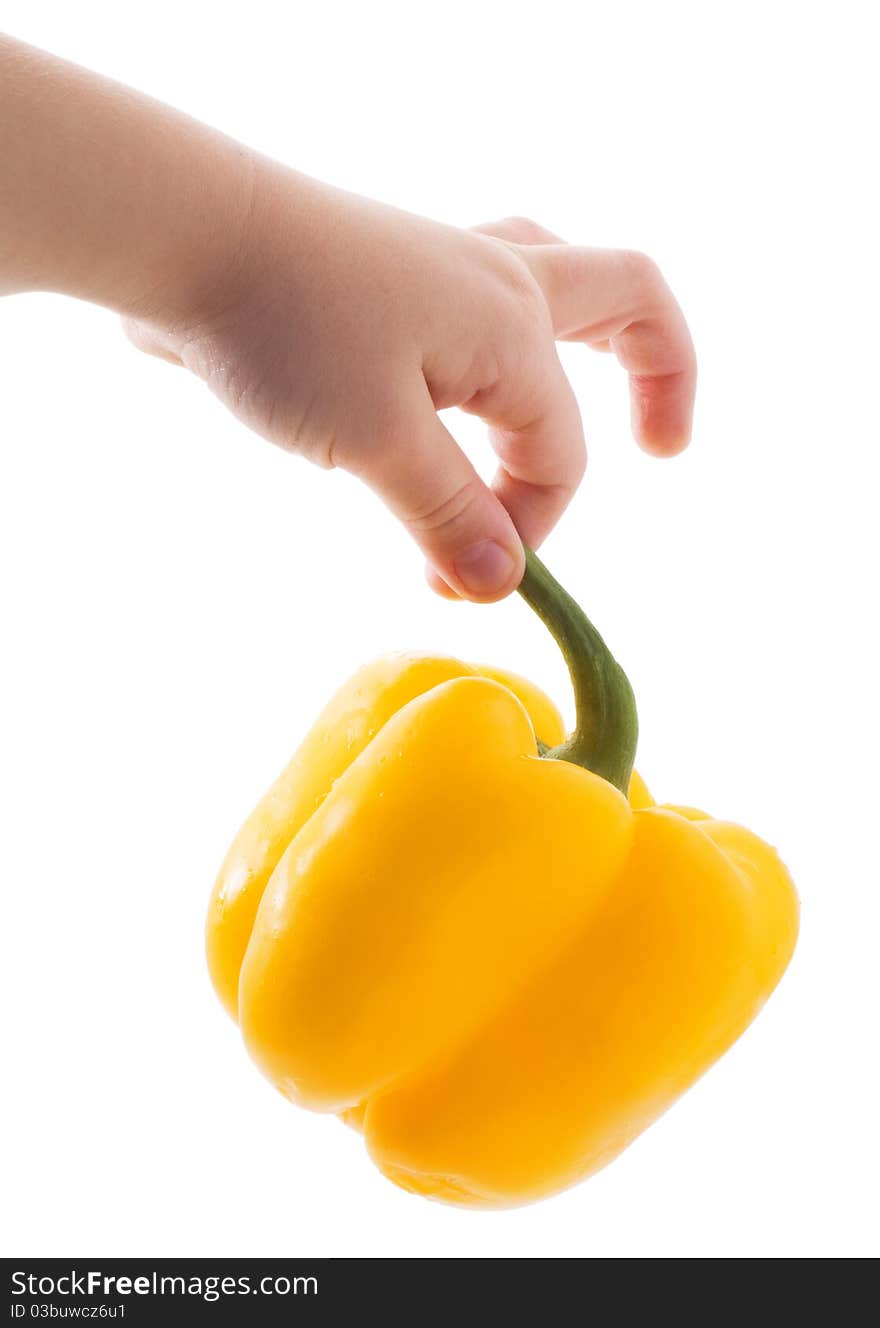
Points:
(335, 326)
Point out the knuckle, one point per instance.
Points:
(520, 281)
(526, 315)
(524, 229)
(643, 268)
(508, 273)
(446, 516)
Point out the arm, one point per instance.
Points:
(109, 196)
(332, 325)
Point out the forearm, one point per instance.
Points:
(110, 196)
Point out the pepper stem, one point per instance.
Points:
(606, 728)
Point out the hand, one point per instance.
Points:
(343, 326)
(331, 325)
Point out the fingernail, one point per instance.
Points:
(484, 568)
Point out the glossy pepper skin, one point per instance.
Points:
(446, 923)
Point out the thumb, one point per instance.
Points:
(464, 531)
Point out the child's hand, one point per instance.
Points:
(329, 324)
(345, 326)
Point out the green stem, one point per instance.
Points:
(606, 729)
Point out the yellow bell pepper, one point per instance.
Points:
(448, 923)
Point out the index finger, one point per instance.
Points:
(536, 431)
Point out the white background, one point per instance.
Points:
(179, 599)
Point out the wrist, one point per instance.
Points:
(202, 219)
(261, 235)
